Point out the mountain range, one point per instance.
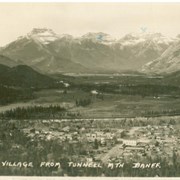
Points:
(48, 52)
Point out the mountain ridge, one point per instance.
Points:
(49, 52)
(168, 62)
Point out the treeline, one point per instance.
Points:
(83, 102)
(169, 112)
(133, 89)
(34, 112)
(149, 90)
(10, 95)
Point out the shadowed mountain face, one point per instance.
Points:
(46, 51)
(23, 76)
(168, 62)
(7, 61)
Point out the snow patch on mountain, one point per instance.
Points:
(133, 39)
(99, 37)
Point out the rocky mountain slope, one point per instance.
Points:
(168, 62)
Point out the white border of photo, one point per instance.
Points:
(86, 178)
(89, 1)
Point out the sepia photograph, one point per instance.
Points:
(90, 89)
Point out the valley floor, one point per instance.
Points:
(111, 105)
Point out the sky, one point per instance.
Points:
(116, 19)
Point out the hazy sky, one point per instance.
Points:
(77, 19)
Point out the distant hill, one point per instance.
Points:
(23, 76)
(3, 69)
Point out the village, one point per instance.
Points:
(106, 145)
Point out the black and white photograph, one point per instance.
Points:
(90, 89)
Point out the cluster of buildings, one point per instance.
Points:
(150, 142)
(115, 144)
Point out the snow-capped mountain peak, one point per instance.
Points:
(94, 51)
(136, 38)
(99, 37)
(43, 35)
(42, 31)
(66, 36)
